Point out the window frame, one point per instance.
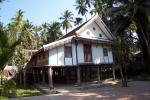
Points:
(105, 52)
(68, 49)
(88, 51)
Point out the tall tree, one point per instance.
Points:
(98, 7)
(137, 11)
(66, 20)
(78, 21)
(54, 31)
(81, 7)
(44, 32)
(122, 49)
(7, 47)
(36, 32)
(17, 21)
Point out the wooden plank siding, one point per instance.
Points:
(42, 58)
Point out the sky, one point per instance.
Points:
(37, 11)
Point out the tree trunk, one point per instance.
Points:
(20, 78)
(141, 21)
(125, 74)
(123, 77)
(24, 77)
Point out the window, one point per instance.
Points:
(68, 52)
(105, 51)
(100, 35)
(94, 28)
(87, 53)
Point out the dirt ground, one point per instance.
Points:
(137, 90)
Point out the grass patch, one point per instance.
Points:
(26, 91)
(3, 98)
(21, 92)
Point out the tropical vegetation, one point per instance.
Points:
(123, 17)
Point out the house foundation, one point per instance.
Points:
(54, 76)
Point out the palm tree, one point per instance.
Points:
(98, 7)
(7, 47)
(78, 21)
(67, 19)
(81, 7)
(36, 32)
(44, 32)
(28, 38)
(88, 2)
(54, 31)
(17, 21)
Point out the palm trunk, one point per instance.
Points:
(20, 78)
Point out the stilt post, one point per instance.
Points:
(113, 72)
(50, 78)
(43, 75)
(78, 75)
(98, 73)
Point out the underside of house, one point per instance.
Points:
(82, 55)
(69, 75)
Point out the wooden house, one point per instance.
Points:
(81, 55)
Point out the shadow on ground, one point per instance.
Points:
(137, 90)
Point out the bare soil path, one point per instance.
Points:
(137, 90)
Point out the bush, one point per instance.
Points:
(8, 88)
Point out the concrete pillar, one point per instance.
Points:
(43, 75)
(98, 74)
(78, 75)
(113, 72)
(50, 78)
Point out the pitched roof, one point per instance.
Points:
(76, 30)
(73, 32)
(69, 36)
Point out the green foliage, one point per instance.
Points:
(54, 31)
(78, 21)
(3, 98)
(122, 49)
(17, 21)
(81, 7)
(7, 47)
(8, 88)
(26, 91)
(66, 20)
